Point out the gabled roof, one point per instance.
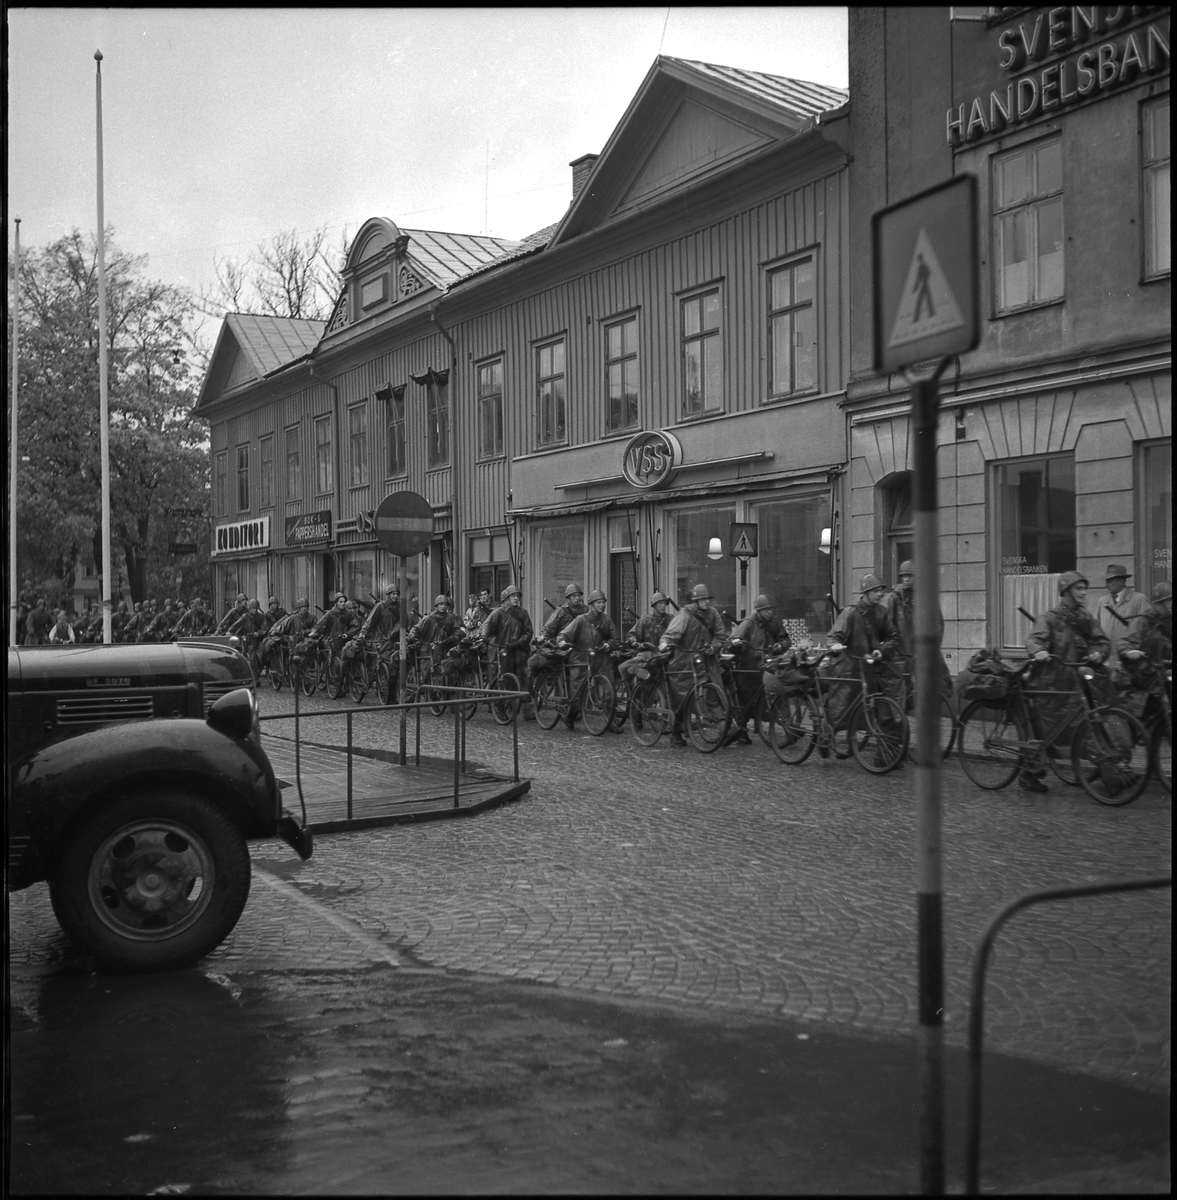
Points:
(449, 257)
(794, 97)
(251, 347)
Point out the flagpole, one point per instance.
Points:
(14, 458)
(103, 390)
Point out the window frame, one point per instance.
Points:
(324, 467)
(221, 473)
(266, 471)
(358, 464)
(396, 435)
(702, 337)
(293, 435)
(790, 310)
(490, 410)
(622, 360)
(437, 423)
(1148, 170)
(1032, 203)
(558, 438)
(243, 477)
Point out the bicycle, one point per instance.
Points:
(757, 708)
(948, 719)
(312, 665)
(556, 698)
(704, 710)
(1156, 713)
(873, 725)
(1000, 735)
(362, 669)
(498, 678)
(388, 671)
(650, 711)
(422, 678)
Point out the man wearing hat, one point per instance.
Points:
(866, 632)
(755, 637)
(696, 626)
(1120, 611)
(572, 607)
(900, 603)
(508, 628)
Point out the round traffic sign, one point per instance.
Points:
(404, 524)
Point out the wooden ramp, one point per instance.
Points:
(382, 791)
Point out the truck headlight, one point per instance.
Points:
(234, 713)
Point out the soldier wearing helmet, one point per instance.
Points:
(900, 604)
(1147, 647)
(753, 639)
(234, 614)
(383, 622)
(695, 627)
(572, 607)
(591, 634)
(508, 629)
(438, 630)
(648, 630)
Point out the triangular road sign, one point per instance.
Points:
(743, 545)
(928, 305)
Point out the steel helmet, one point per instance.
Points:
(1068, 579)
(869, 583)
(573, 589)
(762, 601)
(252, 604)
(907, 567)
(240, 597)
(508, 592)
(1162, 591)
(392, 590)
(595, 594)
(659, 598)
(303, 602)
(339, 596)
(440, 599)
(701, 592)
(273, 601)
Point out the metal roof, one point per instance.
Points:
(449, 257)
(272, 343)
(796, 97)
(531, 244)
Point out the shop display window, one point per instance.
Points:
(793, 571)
(1156, 559)
(361, 579)
(560, 558)
(694, 531)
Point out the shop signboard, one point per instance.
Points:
(179, 548)
(651, 459)
(308, 529)
(237, 536)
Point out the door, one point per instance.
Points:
(623, 589)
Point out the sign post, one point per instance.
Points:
(744, 540)
(926, 309)
(404, 526)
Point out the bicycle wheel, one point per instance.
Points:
(763, 717)
(1162, 750)
(792, 732)
(358, 684)
(412, 682)
(505, 710)
(436, 698)
(650, 715)
(708, 716)
(549, 701)
(598, 705)
(309, 672)
(255, 665)
(277, 668)
(620, 704)
(385, 686)
(323, 673)
(988, 745)
(470, 678)
(336, 677)
(1111, 756)
(878, 734)
(946, 738)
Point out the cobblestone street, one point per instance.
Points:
(731, 880)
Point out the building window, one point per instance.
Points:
(242, 478)
(621, 369)
(792, 570)
(324, 475)
(702, 353)
(899, 536)
(693, 534)
(551, 390)
(1158, 515)
(1157, 244)
(266, 457)
(1036, 542)
(490, 564)
(223, 483)
(490, 409)
(395, 431)
(1028, 225)
(437, 418)
(792, 328)
(560, 554)
(293, 464)
(357, 436)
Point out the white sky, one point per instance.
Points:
(222, 127)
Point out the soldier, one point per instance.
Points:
(752, 640)
(249, 626)
(294, 624)
(696, 626)
(134, 621)
(438, 631)
(572, 607)
(1069, 633)
(648, 630)
(508, 627)
(591, 635)
(27, 599)
(1148, 647)
(234, 614)
(160, 629)
(383, 622)
(1119, 613)
(37, 623)
(335, 625)
(900, 604)
(118, 622)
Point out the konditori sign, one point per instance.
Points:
(242, 535)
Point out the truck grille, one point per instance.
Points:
(102, 710)
(214, 691)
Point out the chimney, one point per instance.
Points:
(582, 168)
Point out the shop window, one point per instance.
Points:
(560, 556)
(490, 409)
(1158, 258)
(694, 532)
(1028, 225)
(702, 354)
(792, 328)
(293, 464)
(324, 474)
(621, 371)
(899, 537)
(357, 436)
(1035, 519)
(394, 430)
(792, 570)
(1158, 515)
(490, 564)
(266, 459)
(361, 579)
(243, 478)
(222, 473)
(551, 392)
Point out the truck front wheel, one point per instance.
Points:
(152, 882)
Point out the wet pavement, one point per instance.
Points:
(657, 972)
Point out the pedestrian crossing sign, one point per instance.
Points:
(925, 276)
(743, 539)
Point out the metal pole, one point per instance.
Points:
(402, 582)
(13, 457)
(103, 387)
(457, 750)
(927, 783)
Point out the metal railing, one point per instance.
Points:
(977, 997)
(455, 699)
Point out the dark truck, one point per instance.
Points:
(135, 776)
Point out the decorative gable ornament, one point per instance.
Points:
(408, 282)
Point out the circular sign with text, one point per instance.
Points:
(651, 459)
(404, 524)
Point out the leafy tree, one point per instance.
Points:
(158, 460)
